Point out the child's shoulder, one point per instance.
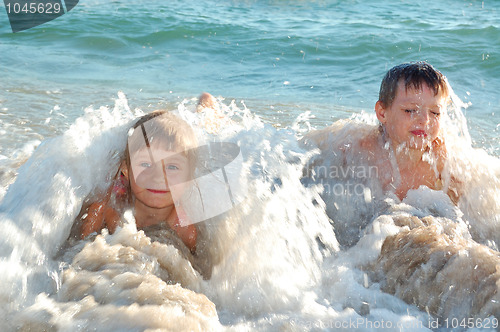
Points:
(371, 141)
(342, 135)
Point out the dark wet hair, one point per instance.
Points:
(413, 75)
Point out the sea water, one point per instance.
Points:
(281, 70)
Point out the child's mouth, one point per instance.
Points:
(154, 191)
(421, 133)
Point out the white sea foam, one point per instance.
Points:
(273, 262)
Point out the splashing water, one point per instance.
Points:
(274, 261)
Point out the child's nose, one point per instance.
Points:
(159, 176)
(423, 117)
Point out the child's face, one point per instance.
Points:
(159, 177)
(414, 117)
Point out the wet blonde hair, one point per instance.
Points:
(166, 129)
(169, 131)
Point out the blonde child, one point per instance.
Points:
(159, 163)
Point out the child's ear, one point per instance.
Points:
(380, 110)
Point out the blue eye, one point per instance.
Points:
(145, 165)
(172, 167)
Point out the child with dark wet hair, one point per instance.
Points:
(412, 103)
(432, 262)
(408, 148)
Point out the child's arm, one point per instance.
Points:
(94, 221)
(188, 235)
(99, 215)
(441, 153)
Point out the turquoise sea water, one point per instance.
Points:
(281, 57)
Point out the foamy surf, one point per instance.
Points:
(272, 262)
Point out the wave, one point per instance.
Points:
(291, 255)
